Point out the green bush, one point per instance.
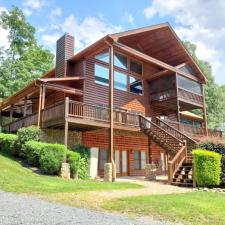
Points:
(73, 158)
(25, 134)
(84, 162)
(51, 158)
(32, 151)
(7, 143)
(215, 145)
(207, 167)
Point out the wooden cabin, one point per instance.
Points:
(124, 97)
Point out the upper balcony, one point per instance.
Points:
(170, 89)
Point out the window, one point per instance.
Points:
(120, 81)
(136, 160)
(135, 67)
(103, 158)
(189, 85)
(101, 75)
(104, 57)
(120, 61)
(139, 160)
(135, 85)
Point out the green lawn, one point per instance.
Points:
(189, 208)
(16, 178)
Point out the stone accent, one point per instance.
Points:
(57, 136)
(93, 166)
(150, 172)
(65, 171)
(108, 172)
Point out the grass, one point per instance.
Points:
(188, 208)
(16, 178)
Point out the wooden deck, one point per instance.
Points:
(80, 116)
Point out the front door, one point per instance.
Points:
(121, 160)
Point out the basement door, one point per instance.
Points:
(121, 160)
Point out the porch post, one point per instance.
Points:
(39, 106)
(25, 107)
(204, 112)
(149, 150)
(178, 103)
(43, 97)
(11, 113)
(111, 92)
(66, 125)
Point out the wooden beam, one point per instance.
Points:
(25, 107)
(178, 103)
(111, 93)
(64, 89)
(66, 125)
(204, 113)
(60, 79)
(39, 107)
(152, 60)
(11, 113)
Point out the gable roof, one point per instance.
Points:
(160, 42)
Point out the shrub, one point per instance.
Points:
(85, 160)
(32, 151)
(7, 143)
(207, 167)
(51, 158)
(73, 158)
(218, 146)
(25, 134)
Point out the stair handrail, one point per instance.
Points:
(176, 162)
(176, 130)
(154, 124)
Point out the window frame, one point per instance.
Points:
(127, 71)
(140, 159)
(102, 65)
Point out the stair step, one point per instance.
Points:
(182, 184)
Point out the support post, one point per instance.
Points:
(25, 107)
(178, 104)
(149, 150)
(111, 92)
(39, 106)
(204, 113)
(11, 113)
(1, 118)
(66, 126)
(43, 98)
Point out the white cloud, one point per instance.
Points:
(129, 17)
(88, 30)
(27, 12)
(201, 22)
(35, 4)
(55, 13)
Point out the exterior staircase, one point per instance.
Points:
(178, 146)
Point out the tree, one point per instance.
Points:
(214, 94)
(25, 59)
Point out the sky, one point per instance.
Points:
(199, 21)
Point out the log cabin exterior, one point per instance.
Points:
(128, 97)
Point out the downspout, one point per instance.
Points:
(111, 92)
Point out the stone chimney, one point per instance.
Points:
(64, 51)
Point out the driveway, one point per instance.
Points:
(26, 210)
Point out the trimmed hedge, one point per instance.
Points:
(207, 167)
(51, 158)
(218, 146)
(7, 143)
(73, 158)
(26, 134)
(32, 151)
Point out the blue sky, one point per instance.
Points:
(200, 21)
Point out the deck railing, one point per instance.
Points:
(101, 114)
(190, 96)
(176, 162)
